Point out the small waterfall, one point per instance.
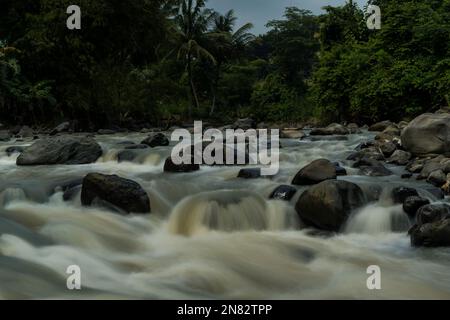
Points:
(228, 211)
(11, 194)
(375, 219)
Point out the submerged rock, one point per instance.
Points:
(169, 166)
(283, 192)
(14, 149)
(316, 172)
(414, 203)
(249, 173)
(328, 205)
(120, 192)
(126, 156)
(61, 150)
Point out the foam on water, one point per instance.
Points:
(210, 235)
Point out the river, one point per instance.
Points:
(210, 235)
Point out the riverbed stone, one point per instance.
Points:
(437, 178)
(61, 150)
(283, 192)
(400, 157)
(170, 166)
(414, 203)
(400, 194)
(380, 126)
(123, 193)
(428, 133)
(315, 172)
(156, 140)
(332, 129)
(249, 173)
(328, 205)
(433, 226)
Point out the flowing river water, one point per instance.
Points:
(210, 235)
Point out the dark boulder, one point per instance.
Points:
(400, 194)
(332, 129)
(372, 168)
(437, 178)
(380, 126)
(283, 192)
(328, 205)
(432, 213)
(427, 134)
(340, 171)
(387, 148)
(375, 171)
(370, 152)
(428, 168)
(61, 150)
(71, 193)
(365, 145)
(156, 140)
(392, 130)
(169, 166)
(400, 158)
(432, 228)
(126, 156)
(316, 172)
(249, 173)
(136, 147)
(414, 203)
(122, 193)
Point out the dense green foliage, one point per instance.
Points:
(159, 62)
(396, 72)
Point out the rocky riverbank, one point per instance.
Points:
(421, 147)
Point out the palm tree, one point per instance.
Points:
(191, 24)
(228, 44)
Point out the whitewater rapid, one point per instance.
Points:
(210, 235)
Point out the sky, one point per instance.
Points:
(259, 12)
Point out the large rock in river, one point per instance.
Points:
(125, 194)
(332, 129)
(433, 226)
(61, 150)
(327, 205)
(316, 172)
(428, 134)
(156, 140)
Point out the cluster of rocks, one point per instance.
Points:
(422, 146)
